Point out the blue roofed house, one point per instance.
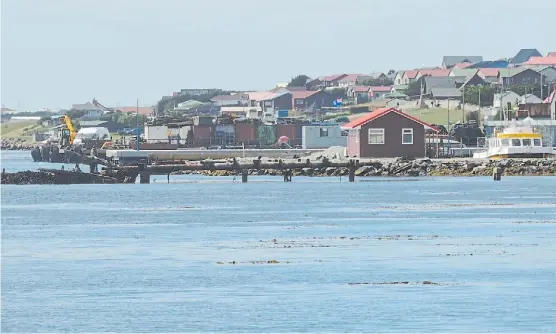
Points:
(524, 55)
(500, 63)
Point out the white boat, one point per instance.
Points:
(515, 142)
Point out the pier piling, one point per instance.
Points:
(244, 174)
(496, 174)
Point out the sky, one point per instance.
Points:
(58, 52)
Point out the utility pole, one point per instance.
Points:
(448, 129)
(541, 87)
(137, 119)
(463, 106)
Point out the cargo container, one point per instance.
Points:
(202, 135)
(156, 134)
(266, 135)
(283, 113)
(292, 131)
(225, 134)
(246, 133)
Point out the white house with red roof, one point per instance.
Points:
(376, 92)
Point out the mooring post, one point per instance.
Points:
(351, 171)
(168, 177)
(496, 174)
(244, 174)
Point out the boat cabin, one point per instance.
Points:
(515, 142)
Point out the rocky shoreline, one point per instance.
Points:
(374, 168)
(415, 168)
(16, 145)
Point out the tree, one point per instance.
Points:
(299, 81)
(392, 71)
(378, 82)
(44, 118)
(414, 88)
(338, 92)
(167, 103)
(486, 94)
(74, 113)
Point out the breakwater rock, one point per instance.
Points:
(28, 177)
(419, 167)
(55, 177)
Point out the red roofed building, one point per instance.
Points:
(378, 91)
(332, 80)
(386, 133)
(462, 65)
(535, 62)
(442, 72)
(551, 54)
(146, 111)
(359, 93)
(409, 76)
(490, 75)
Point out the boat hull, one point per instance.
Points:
(521, 156)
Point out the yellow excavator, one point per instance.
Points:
(68, 132)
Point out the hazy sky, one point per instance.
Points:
(59, 52)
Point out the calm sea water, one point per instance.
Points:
(156, 258)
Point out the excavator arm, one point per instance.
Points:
(70, 127)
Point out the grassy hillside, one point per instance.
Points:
(437, 115)
(19, 129)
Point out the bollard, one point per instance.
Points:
(244, 175)
(168, 177)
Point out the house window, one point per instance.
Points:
(268, 103)
(344, 133)
(299, 102)
(324, 132)
(376, 136)
(407, 136)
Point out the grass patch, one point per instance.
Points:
(17, 129)
(436, 115)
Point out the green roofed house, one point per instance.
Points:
(189, 104)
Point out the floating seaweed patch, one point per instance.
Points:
(402, 283)
(253, 262)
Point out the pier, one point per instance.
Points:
(284, 167)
